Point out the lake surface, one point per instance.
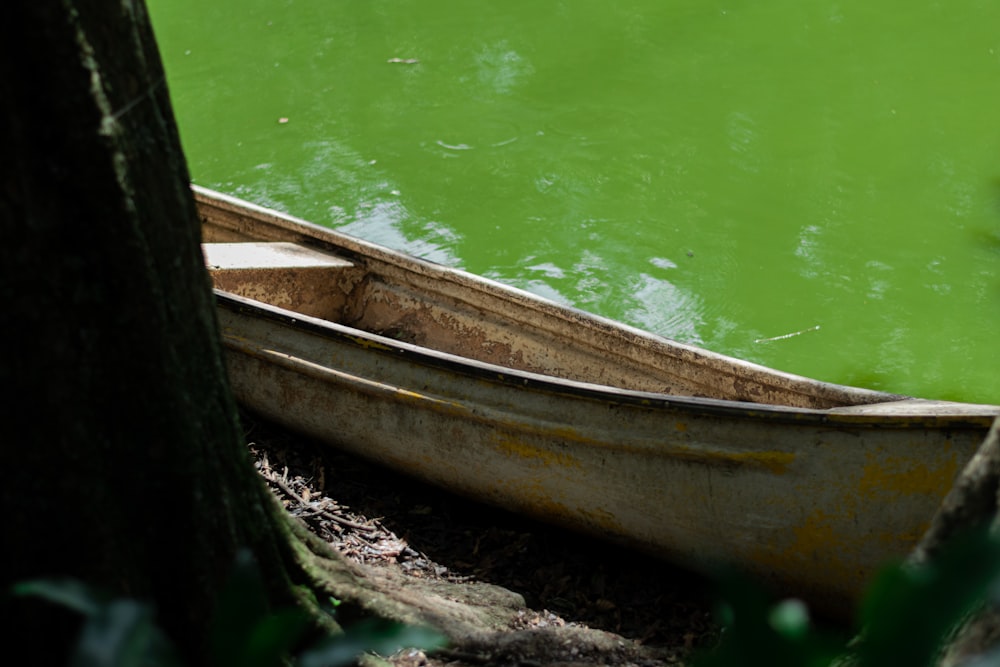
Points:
(811, 186)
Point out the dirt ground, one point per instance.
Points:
(584, 602)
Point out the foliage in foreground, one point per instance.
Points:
(905, 618)
(122, 632)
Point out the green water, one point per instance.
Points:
(723, 173)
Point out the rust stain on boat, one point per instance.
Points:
(903, 476)
(548, 457)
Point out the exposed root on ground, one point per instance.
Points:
(504, 590)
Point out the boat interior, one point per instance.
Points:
(330, 287)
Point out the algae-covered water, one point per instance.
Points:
(812, 186)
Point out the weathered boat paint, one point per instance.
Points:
(523, 403)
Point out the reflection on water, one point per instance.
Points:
(719, 173)
(499, 69)
(663, 307)
(375, 211)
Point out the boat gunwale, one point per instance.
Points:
(380, 260)
(485, 371)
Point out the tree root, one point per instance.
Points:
(483, 623)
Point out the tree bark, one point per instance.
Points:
(972, 503)
(125, 466)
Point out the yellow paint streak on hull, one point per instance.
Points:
(368, 344)
(775, 463)
(547, 457)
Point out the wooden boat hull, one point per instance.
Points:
(810, 500)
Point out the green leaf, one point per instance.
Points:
(381, 637)
(790, 619)
(116, 635)
(68, 593)
(274, 638)
(909, 610)
(117, 632)
(241, 607)
(755, 633)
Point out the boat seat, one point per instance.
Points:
(288, 275)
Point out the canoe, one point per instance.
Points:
(571, 418)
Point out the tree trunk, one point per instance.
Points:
(972, 503)
(125, 465)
